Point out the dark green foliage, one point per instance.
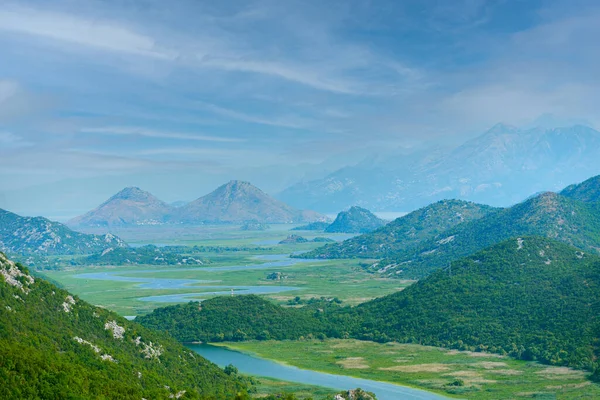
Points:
(40, 358)
(404, 232)
(355, 220)
(235, 318)
(532, 298)
(537, 302)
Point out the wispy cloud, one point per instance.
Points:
(81, 31)
(138, 131)
(9, 140)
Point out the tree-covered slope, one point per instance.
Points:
(355, 220)
(56, 346)
(548, 215)
(405, 232)
(38, 235)
(233, 319)
(533, 298)
(587, 191)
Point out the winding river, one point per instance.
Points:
(256, 366)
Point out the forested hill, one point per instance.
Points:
(533, 298)
(587, 191)
(548, 215)
(40, 236)
(405, 232)
(56, 346)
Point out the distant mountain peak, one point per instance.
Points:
(130, 206)
(239, 201)
(355, 220)
(133, 193)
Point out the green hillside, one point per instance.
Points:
(587, 191)
(405, 232)
(548, 215)
(532, 298)
(55, 346)
(233, 319)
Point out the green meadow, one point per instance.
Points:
(465, 375)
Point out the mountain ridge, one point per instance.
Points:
(487, 169)
(39, 235)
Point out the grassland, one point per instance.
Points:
(342, 279)
(455, 374)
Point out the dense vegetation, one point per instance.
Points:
(532, 298)
(405, 232)
(234, 319)
(55, 346)
(355, 220)
(587, 191)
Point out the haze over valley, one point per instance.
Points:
(300, 200)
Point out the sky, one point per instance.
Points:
(178, 97)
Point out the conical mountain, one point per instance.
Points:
(131, 206)
(355, 220)
(239, 201)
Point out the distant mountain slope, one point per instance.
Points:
(37, 235)
(131, 206)
(501, 167)
(355, 220)
(532, 298)
(548, 215)
(587, 191)
(56, 346)
(405, 232)
(237, 202)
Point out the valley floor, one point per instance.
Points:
(452, 373)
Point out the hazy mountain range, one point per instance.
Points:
(411, 247)
(234, 202)
(501, 167)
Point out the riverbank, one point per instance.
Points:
(450, 373)
(259, 367)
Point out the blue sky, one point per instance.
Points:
(177, 97)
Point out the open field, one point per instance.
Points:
(452, 373)
(342, 279)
